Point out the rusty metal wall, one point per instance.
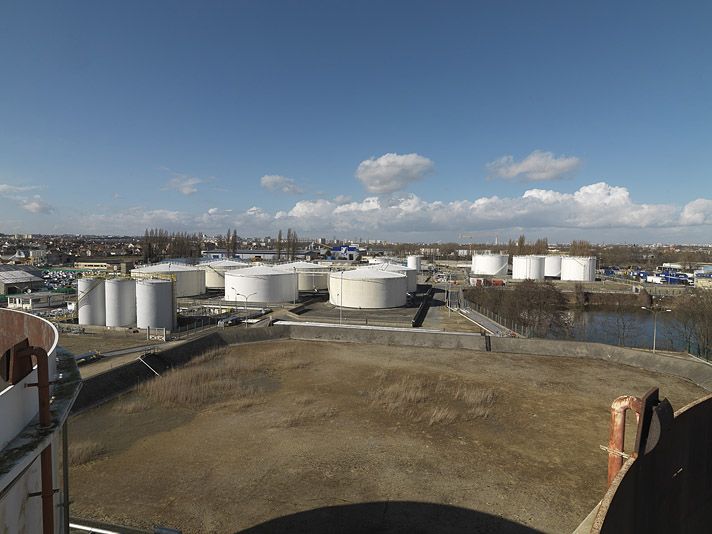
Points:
(668, 486)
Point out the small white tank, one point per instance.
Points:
(411, 274)
(490, 264)
(215, 271)
(368, 288)
(155, 304)
(578, 269)
(120, 302)
(91, 301)
(528, 268)
(414, 263)
(310, 276)
(552, 266)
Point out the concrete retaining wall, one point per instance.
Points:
(107, 385)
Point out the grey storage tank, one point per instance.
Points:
(120, 302)
(91, 301)
(155, 304)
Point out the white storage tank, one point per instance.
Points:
(189, 280)
(528, 268)
(155, 304)
(414, 263)
(368, 288)
(310, 276)
(552, 266)
(91, 301)
(411, 274)
(490, 264)
(215, 271)
(579, 269)
(260, 284)
(120, 302)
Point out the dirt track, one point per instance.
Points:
(328, 424)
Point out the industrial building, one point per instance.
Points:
(17, 279)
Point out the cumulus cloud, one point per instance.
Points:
(594, 206)
(539, 166)
(697, 212)
(36, 205)
(275, 182)
(601, 208)
(393, 172)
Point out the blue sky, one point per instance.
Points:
(398, 120)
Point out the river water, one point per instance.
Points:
(628, 328)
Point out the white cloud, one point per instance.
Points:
(393, 172)
(275, 182)
(539, 166)
(184, 184)
(7, 189)
(36, 205)
(598, 211)
(697, 212)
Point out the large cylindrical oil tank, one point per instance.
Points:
(155, 304)
(215, 271)
(490, 264)
(260, 284)
(528, 268)
(411, 274)
(91, 301)
(552, 266)
(310, 276)
(579, 269)
(120, 302)
(413, 262)
(189, 280)
(368, 288)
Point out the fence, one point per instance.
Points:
(512, 325)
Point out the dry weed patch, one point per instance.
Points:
(439, 402)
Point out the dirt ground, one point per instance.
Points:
(435, 441)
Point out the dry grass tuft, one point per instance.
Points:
(134, 405)
(84, 452)
(440, 402)
(213, 378)
(316, 414)
(442, 415)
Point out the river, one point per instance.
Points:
(629, 328)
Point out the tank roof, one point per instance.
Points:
(367, 274)
(164, 267)
(258, 270)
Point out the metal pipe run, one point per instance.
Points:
(616, 439)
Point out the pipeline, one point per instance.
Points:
(616, 438)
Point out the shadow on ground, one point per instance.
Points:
(390, 517)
